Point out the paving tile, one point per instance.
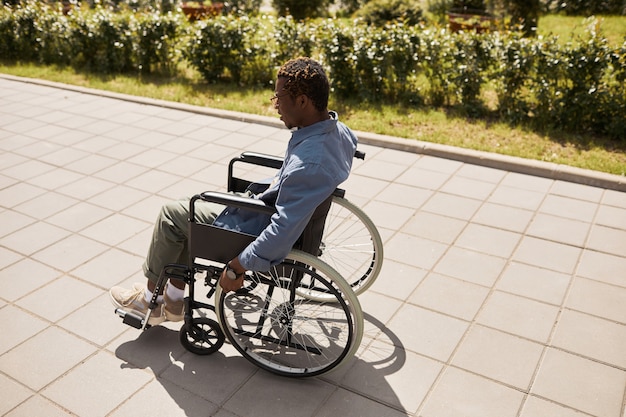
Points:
(123, 151)
(114, 229)
(426, 332)
(598, 299)
(68, 253)
(109, 268)
(500, 356)
(153, 181)
(533, 282)
(172, 400)
(91, 164)
(602, 267)
(17, 326)
(360, 186)
(38, 406)
(138, 244)
(51, 301)
(607, 239)
(569, 208)
(432, 163)
(614, 217)
(120, 172)
(12, 394)
(559, 229)
(527, 182)
(46, 205)
(100, 310)
(423, 178)
(405, 195)
(614, 198)
(416, 251)
(79, 216)
(488, 240)
(197, 374)
(546, 254)
(503, 217)
(378, 309)
(56, 178)
(118, 198)
(397, 279)
(282, 396)
(85, 188)
(388, 215)
(24, 277)
(486, 174)
(452, 206)
(592, 337)
(467, 187)
(27, 170)
(184, 188)
(8, 257)
(381, 379)
(33, 238)
(467, 265)
(12, 221)
(342, 400)
(461, 394)
(450, 296)
(51, 353)
(519, 316)
(98, 386)
(434, 227)
(18, 193)
(155, 349)
(516, 197)
(382, 170)
(581, 384)
(538, 407)
(577, 191)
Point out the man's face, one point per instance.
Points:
(286, 105)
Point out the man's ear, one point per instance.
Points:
(303, 100)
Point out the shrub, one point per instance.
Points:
(226, 47)
(301, 9)
(155, 41)
(380, 12)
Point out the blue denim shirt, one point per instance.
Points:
(318, 159)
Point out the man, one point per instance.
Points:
(318, 158)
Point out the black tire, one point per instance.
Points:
(202, 336)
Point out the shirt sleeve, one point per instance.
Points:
(301, 191)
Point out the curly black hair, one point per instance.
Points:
(306, 76)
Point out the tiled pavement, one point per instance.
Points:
(502, 294)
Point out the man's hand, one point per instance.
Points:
(228, 284)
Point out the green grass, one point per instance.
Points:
(569, 28)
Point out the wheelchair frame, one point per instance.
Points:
(301, 318)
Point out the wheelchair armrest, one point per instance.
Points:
(230, 200)
(265, 160)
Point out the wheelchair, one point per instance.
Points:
(299, 319)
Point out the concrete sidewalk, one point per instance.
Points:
(502, 293)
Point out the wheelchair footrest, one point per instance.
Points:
(132, 319)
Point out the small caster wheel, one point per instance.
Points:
(202, 336)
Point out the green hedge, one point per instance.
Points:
(537, 82)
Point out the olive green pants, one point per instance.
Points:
(171, 233)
